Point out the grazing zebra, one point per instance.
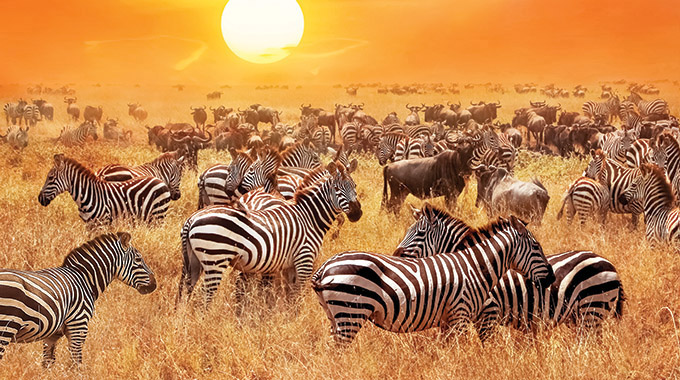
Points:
(14, 111)
(31, 114)
(144, 198)
(662, 217)
(50, 303)
(285, 238)
(408, 148)
(388, 146)
(445, 290)
(585, 197)
(434, 231)
(218, 183)
(657, 108)
(168, 167)
(77, 137)
(617, 178)
(666, 155)
(587, 289)
(610, 109)
(300, 155)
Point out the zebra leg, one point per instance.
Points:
(634, 221)
(49, 346)
(76, 332)
(304, 265)
(212, 281)
(240, 287)
(8, 330)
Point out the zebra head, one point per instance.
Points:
(386, 149)
(132, 269)
(596, 164)
(57, 181)
(240, 162)
(433, 232)
(528, 258)
(174, 173)
(89, 129)
(345, 190)
(262, 172)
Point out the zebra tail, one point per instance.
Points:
(567, 198)
(384, 197)
(316, 280)
(619, 303)
(191, 266)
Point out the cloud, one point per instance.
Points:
(179, 65)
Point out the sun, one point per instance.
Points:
(262, 31)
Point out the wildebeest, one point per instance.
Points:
(502, 194)
(93, 114)
(482, 112)
(266, 114)
(441, 175)
(352, 90)
(46, 109)
(214, 95)
(16, 137)
(567, 118)
(324, 118)
(390, 119)
(249, 116)
(220, 113)
(72, 108)
(199, 115)
(136, 111)
(413, 118)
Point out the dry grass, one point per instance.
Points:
(135, 335)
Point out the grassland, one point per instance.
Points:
(144, 336)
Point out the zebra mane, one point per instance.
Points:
(668, 138)
(298, 146)
(81, 168)
(441, 214)
(165, 157)
(474, 236)
(664, 186)
(81, 253)
(316, 176)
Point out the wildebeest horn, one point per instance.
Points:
(559, 106)
(471, 103)
(408, 106)
(203, 140)
(212, 109)
(239, 109)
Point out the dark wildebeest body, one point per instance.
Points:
(93, 114)
(501, 194)
(441, 175)
(483, 112)
(200, 116)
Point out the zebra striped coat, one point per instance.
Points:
(50, 303)
(662, 217)
(217, 185)
(14, 111)
(31, 114)
(285, 238)
(77, 137)
(617, 178)
(666, 154)
(99, 201)
(388, 146)
(610, 109)
(585, 197)
(300, 155)
(445, 290)
(168, 167)
(587, 289)
(408, 148)
(647, 108)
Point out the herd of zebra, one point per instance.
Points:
(267, 211)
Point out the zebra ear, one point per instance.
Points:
(58, 159)
(353, 166)
(415, 212)
(233, 153)
(519, 225)
(124, 239)
(331, 167)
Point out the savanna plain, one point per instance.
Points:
(146, 337)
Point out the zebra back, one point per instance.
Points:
(300, 155)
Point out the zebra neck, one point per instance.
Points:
(96, 271)
(316, 205)
(84, 188)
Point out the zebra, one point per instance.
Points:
(587, 289)
(617, 178)
(14, 111)
(144, 198)
(77, 137)
(616, 144)
(657, 108)
(445, 290)
(638, 153)
(320, 138)
(351, 135)
(285, 238)
(492, 149)
(217, 184)
(666, 154)
(408, 148)
(31, 114)
(609, 109)
(662, 217)
(168, 167)
(50, 303)
(388, 146)
(433, 232)
(585, 197)
(300, 155)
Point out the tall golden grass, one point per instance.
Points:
(144, 336)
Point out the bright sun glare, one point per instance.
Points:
(262, 31)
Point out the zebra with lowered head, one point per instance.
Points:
(100, 201)
(444, 290)
(285, 238)
(51, 303)
(168, 167)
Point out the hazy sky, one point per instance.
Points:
(179, 41)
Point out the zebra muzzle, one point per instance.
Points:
(148, 288)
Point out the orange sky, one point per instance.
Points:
(179, 41)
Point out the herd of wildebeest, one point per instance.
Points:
(266, 211)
